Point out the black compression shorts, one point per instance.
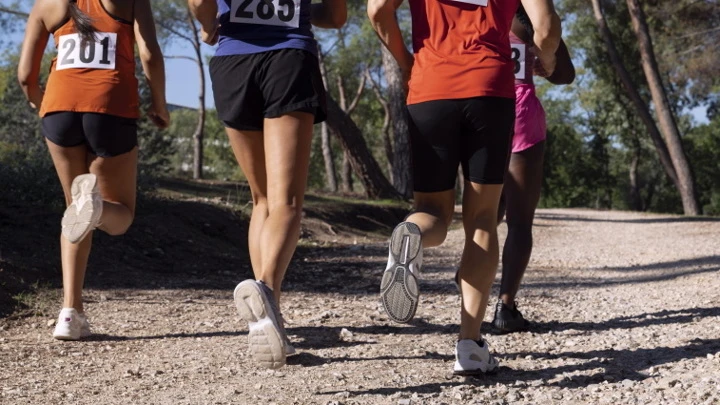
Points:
(475, 133)
(249, 88)
(105, 135)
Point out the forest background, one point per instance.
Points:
(639, 129)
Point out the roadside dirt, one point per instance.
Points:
(625, 310)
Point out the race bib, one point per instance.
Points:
(75, 53)
(518, 58)
(283, 13)
(481, 3)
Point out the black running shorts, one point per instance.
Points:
(249, 88)
(105, 135)
(475, 133)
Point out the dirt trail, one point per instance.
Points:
(626, 310)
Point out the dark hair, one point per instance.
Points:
(525, 20)
(83, 23)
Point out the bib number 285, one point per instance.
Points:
(74, 52)
(284, 13)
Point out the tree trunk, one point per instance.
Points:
(330, 174)
(346, 174)
(363, 164)
(636, 203)
(387, 138)
(200, 129)
(668, 126)
(401, 168)
(640, 106)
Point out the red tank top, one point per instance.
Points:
(94, 77)
(462, 49)
(523, 60)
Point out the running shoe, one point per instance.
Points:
(83, 214)
(399, 285)
(508, 320)
(267, 339)
(71, 325)
(473, 358)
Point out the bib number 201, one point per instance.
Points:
(284, 13)
(518, 58)
(75, 53)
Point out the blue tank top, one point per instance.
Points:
(254, 26)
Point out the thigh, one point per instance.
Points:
(249, 150)
(486, 139)
(117, 178)
(108, 135)
(63, 128)
(69, 162)
(523, 184)
(290, 81)
(287, 156)
(238, 99)
(435, 129)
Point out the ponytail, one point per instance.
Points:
(83, 23)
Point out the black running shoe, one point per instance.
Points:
(509, 320)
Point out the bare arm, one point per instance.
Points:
(152, 61)
(205, 11)
(329, 14)
(36, 39)
(548, 31)
(384, 21)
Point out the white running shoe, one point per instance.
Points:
(399, 285)
(473, 358)
(267, 340)
(83, 214)
(71, 325)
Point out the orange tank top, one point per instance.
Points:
(462, 49)
(94, 77)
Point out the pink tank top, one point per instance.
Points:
(523, 58)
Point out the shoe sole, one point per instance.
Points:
(76, 225)
(399, 286)
(267, 345)
(505, 327)
(469, 373)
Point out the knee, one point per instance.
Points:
(289, 212)
(118, 231)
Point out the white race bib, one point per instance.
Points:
(74, 53)
(518, 58)
(283, 13)
(481, 3)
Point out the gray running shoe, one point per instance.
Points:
(399, 286)
(267, 340)
(473, 358)
(83, 214)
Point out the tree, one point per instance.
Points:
(401, 167)
(174, 18)
(667, 159)
(668, 125)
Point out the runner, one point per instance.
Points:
(89, 112)
(461, 109)
(268, 92)
(523, 181)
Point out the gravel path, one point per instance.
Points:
(626, 310)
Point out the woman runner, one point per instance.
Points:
(89, 112)
(521, 191)
(461, 109)
(268, 92)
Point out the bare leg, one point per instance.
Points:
(433, 213)
(117, 181)
(480, 255)
(523, 184)
(276, 163)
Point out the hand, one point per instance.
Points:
(159, 116)
(210, 36)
